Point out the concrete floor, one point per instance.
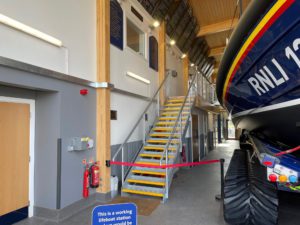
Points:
(192, 199)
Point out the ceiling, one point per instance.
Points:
(216, 19)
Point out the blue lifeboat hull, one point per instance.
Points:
(259, 76)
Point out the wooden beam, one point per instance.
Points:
(218, 27)
(103, 95)
(217, 51)
(162, 59)
(185, 66)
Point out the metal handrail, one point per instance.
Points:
(175, 125)
(140, 118)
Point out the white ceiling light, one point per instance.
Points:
(192, 64)
(172, 42)
(156, 23)
(183, 56)
(137, 77)
(29, 30)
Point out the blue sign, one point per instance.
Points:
(116, 24)
(153, 53)
(118, 214)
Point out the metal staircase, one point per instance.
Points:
(162, 146)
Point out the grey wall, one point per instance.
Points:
(130, 151)
(61, 112)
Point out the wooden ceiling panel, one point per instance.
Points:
(214, 11)
(217, 40)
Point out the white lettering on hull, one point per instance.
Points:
(265, 80)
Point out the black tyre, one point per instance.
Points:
(264, 197)
(248, 197)
(236, 190)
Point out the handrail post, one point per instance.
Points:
(123, 169)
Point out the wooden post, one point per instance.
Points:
(103, 95)
(162, 59)
(185, 74)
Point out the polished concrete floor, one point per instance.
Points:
(192, 199)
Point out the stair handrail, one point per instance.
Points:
(177, 120)
(141, 117)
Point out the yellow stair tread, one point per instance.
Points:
(171, 118)
(143, 193)
(175, 100)
(168, 123)
(162, 141)
(146, 182)
(151, 163)
(175, 108)
(173, 104)
(149, 172)
(164, 135)
(165, 128)
(153, 155)
(174, 113)
(158, 148)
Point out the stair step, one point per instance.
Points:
(176, 109)
(157, 181)
(175, 101)
(168, 123)
(165, 129)
(176, 104)
(149, 171)
(172, 118)
(143, 191)
(161, 134)
(177, 97)
(153, 155)
(173, 113)
(156, 140)
(146, 182)
(158, 147)
(151, 163)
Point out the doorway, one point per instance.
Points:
(17, 121)
(195, 139)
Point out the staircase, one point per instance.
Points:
(162, 146)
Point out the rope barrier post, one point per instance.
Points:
(221, 196)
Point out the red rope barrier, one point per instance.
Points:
(164, 166)
(288, 151)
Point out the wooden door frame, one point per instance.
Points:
(31, 103)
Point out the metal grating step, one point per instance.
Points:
(158, 147)
(164, 141)
(162, 134)
(154, 155)
(172, 118)
(150, 191)
(156, 181)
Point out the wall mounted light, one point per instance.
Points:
(137, 77)
(156, 23)
(29, 30)
(172, 42)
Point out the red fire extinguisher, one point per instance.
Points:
(85, 191)
(94, 173)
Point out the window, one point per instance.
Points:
(135, 38)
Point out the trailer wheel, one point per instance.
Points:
(236, 190)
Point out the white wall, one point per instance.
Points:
(73, 22)
(129, 108)
(174, 62)
(129, 60)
